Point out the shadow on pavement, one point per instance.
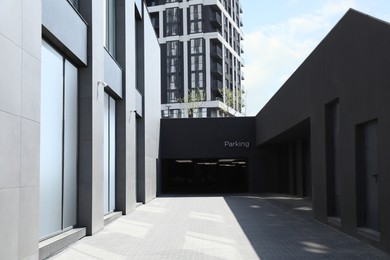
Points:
(282, 227)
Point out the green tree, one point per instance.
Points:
(194, 101)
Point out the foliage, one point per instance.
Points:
(194, 100)
(233, 98)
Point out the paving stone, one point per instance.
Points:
(220, 227)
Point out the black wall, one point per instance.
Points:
(205, 137)
(352, 64)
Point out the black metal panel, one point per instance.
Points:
(207, 138)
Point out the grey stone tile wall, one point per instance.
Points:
(20, 52)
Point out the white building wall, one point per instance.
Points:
(152, 104)
(20, 52)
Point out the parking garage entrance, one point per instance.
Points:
(206, 155)
(206, 176)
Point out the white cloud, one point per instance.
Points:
(275, 51)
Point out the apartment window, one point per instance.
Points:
(155, 21)
(172, 113)
(172, 82)
(197, 80)
(173, 96)
(172, 65)
(197, 74)
(226, 36)
(196, 27)
(195, 12)
(197, 62)
(172, 18)
(110, 27)
(170, 1)
(199, 112)
(197, 46)
(172, 29)
(173, 48)
(196, 19)
(172, 15)
(173, 71)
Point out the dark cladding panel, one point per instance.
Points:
(351, 65)
(207, 138)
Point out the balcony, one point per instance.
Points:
(216, 51)
(215, 19)
(216, 69)
(216, 85)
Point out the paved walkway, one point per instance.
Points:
(230, 227)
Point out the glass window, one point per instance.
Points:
(58, 143)
(196, 46)
(173, 96)
(51, 147)
(196, 19)
(172, 17)
(172, 29)
(70, 145)
(196, 62)
(109, 154)
(197, 80)
(196, 27)
(172, 65)
(195, 12)
(172, 48)
(172, 82)
(110, 27)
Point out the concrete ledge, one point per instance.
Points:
(111, 217)
(334, 221)
(369, 233)
(52, 245)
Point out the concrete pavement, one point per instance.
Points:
(220, 227)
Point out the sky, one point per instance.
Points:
(280, 34)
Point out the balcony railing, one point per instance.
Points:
(216, 84)
(215, 19)
(241, 22)
(216, 51)
(216, 69)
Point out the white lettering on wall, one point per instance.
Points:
(236, 144)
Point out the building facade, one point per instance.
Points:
(80, 127)
(80, 114)
(323, 136)
(201, 47)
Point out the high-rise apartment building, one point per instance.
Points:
(201, 47)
